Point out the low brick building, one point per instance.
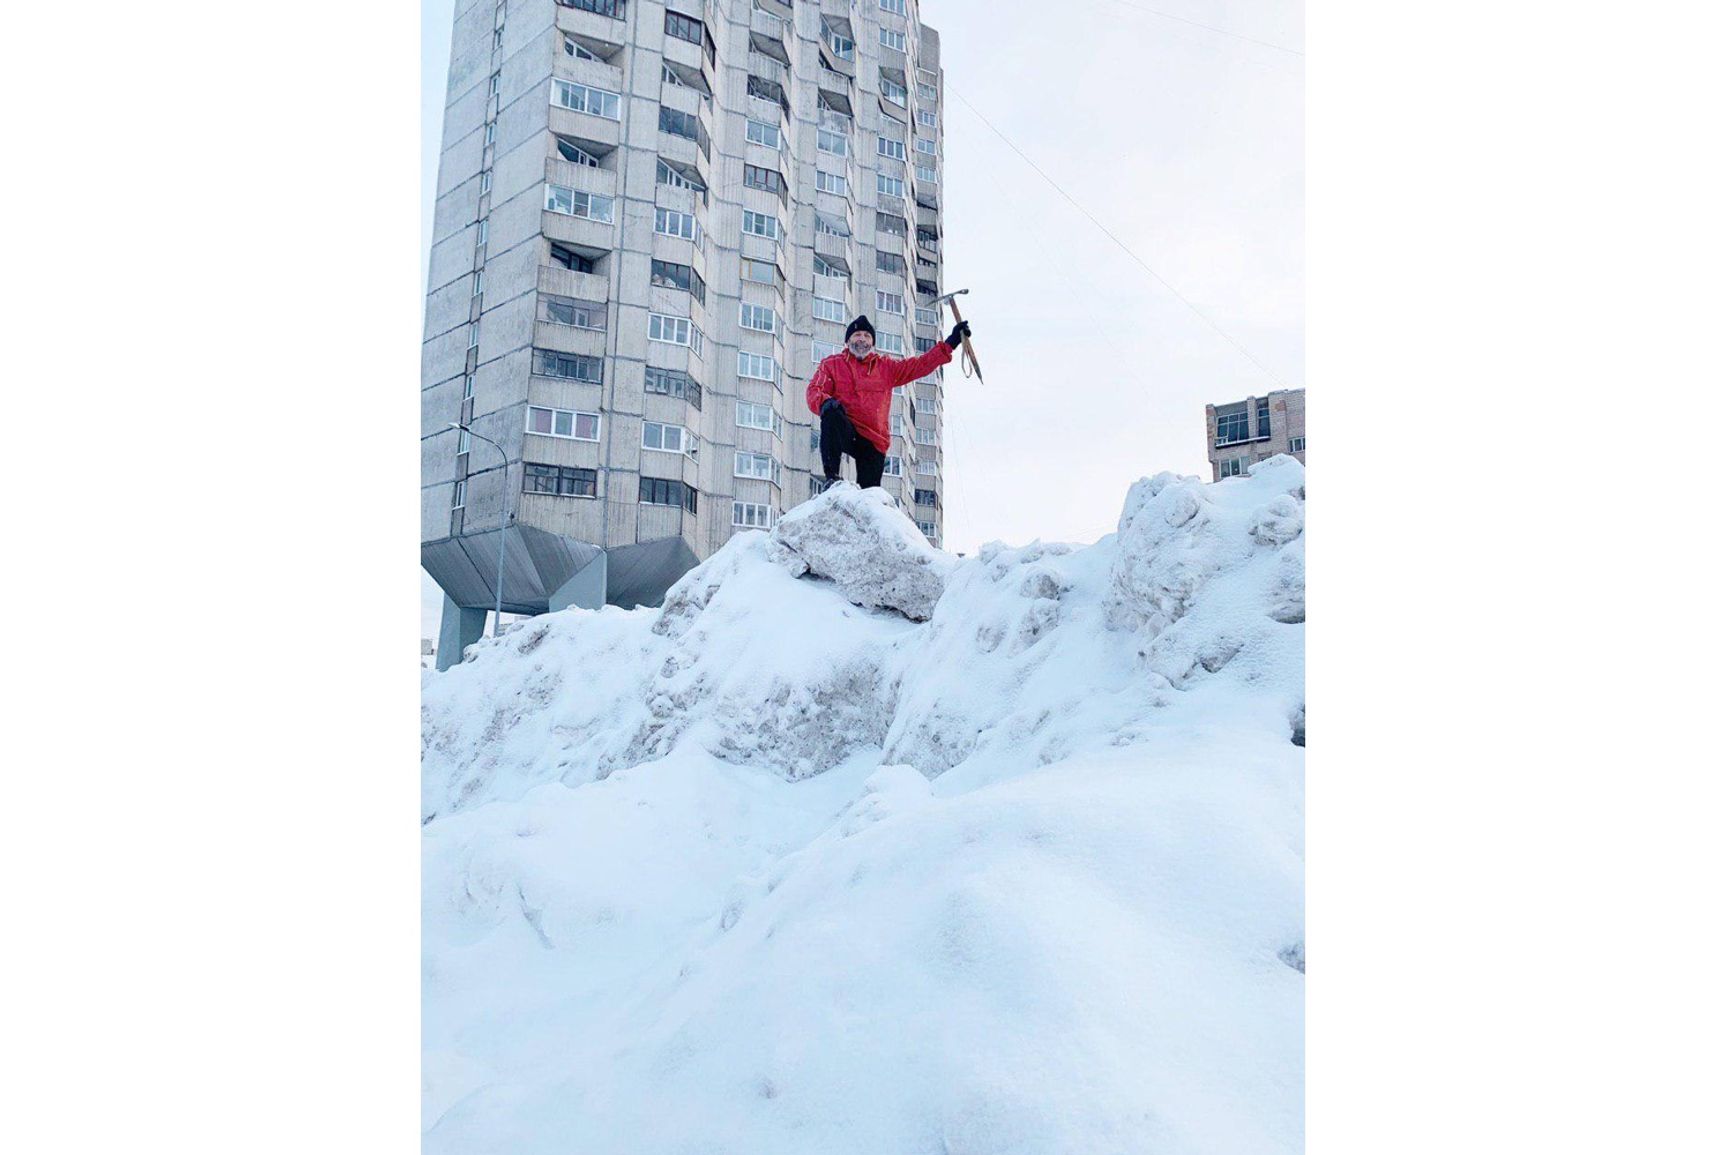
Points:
(1242, 433)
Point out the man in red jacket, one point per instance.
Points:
(850, 393)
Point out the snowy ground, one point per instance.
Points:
(775, 869)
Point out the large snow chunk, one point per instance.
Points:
(858, 539)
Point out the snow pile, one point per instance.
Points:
(770, 871)
(874, 554)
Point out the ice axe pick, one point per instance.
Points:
(967, 345)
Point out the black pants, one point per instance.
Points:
(836, 436)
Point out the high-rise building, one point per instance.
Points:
(1242, 433)
(654, 218)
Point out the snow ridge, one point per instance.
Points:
(853, 846)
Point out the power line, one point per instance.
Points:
(1211, 28)
(1168, 285)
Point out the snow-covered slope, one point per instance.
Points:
(786, 866)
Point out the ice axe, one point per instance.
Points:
(967, 345)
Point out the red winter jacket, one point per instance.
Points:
(864, 387)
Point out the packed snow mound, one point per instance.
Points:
(769, 871)
(858, 539)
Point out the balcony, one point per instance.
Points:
(567, 283)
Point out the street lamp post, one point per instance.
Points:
(504, 521)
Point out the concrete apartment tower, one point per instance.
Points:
(653, 219)
(1242, 433)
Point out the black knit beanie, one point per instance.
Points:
(860, 325)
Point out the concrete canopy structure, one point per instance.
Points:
(653, 219)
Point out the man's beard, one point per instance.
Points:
(859, 354)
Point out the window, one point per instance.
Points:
(475, 336)
(678, 176)
(927, 118)
(824, 309)
(560, 480)
(458, 493)
(893, 90)
(670, 330)
(891, 343)
(673, 383)
(896, 425)
(671, 276)
(926, 173)
(893, 40)
(760, 224)
(1232, 467)
(757, 317)
(900, 7)
(841, 44)
(767, 179)
(925, 316)
(571, 311)
(481, 234)
(926, 497)
(892, 148)
(685, 125)
(815, 485)
(564, 423)
(669, 438)
(475, 285)
(567, 259)
(892, 465)
(498, 38)
(578, 51)
(823, 349)
(1263, 418)
(493, 85)
(929, 147)
(889, 186)
(757, 367)
(834, 143)
(1232, 426)
(671, 223)
(832, 183)
(660, 491)
(763, 272)
(463, 440)
(766, 90)
(889, 302)
(750, 415)
(576, 154)
(1295, 445)
(613, 8)
(928, 92)
(583, 98)
(492, 132)
(929, 528)
(925, 436)
(571, 202)
(891, 263)
(926, 405)
(759, 466)
(754, 516)
(468, 386)
(486, 181)
(824, 267)
(922, 344)
(923, 465)
(764, 133)
(570, 366)
(684, 28)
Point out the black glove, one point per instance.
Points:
(957, 334)
(831, 404)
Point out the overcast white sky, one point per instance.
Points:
(1189, 146)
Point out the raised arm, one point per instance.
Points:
(916, 367)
